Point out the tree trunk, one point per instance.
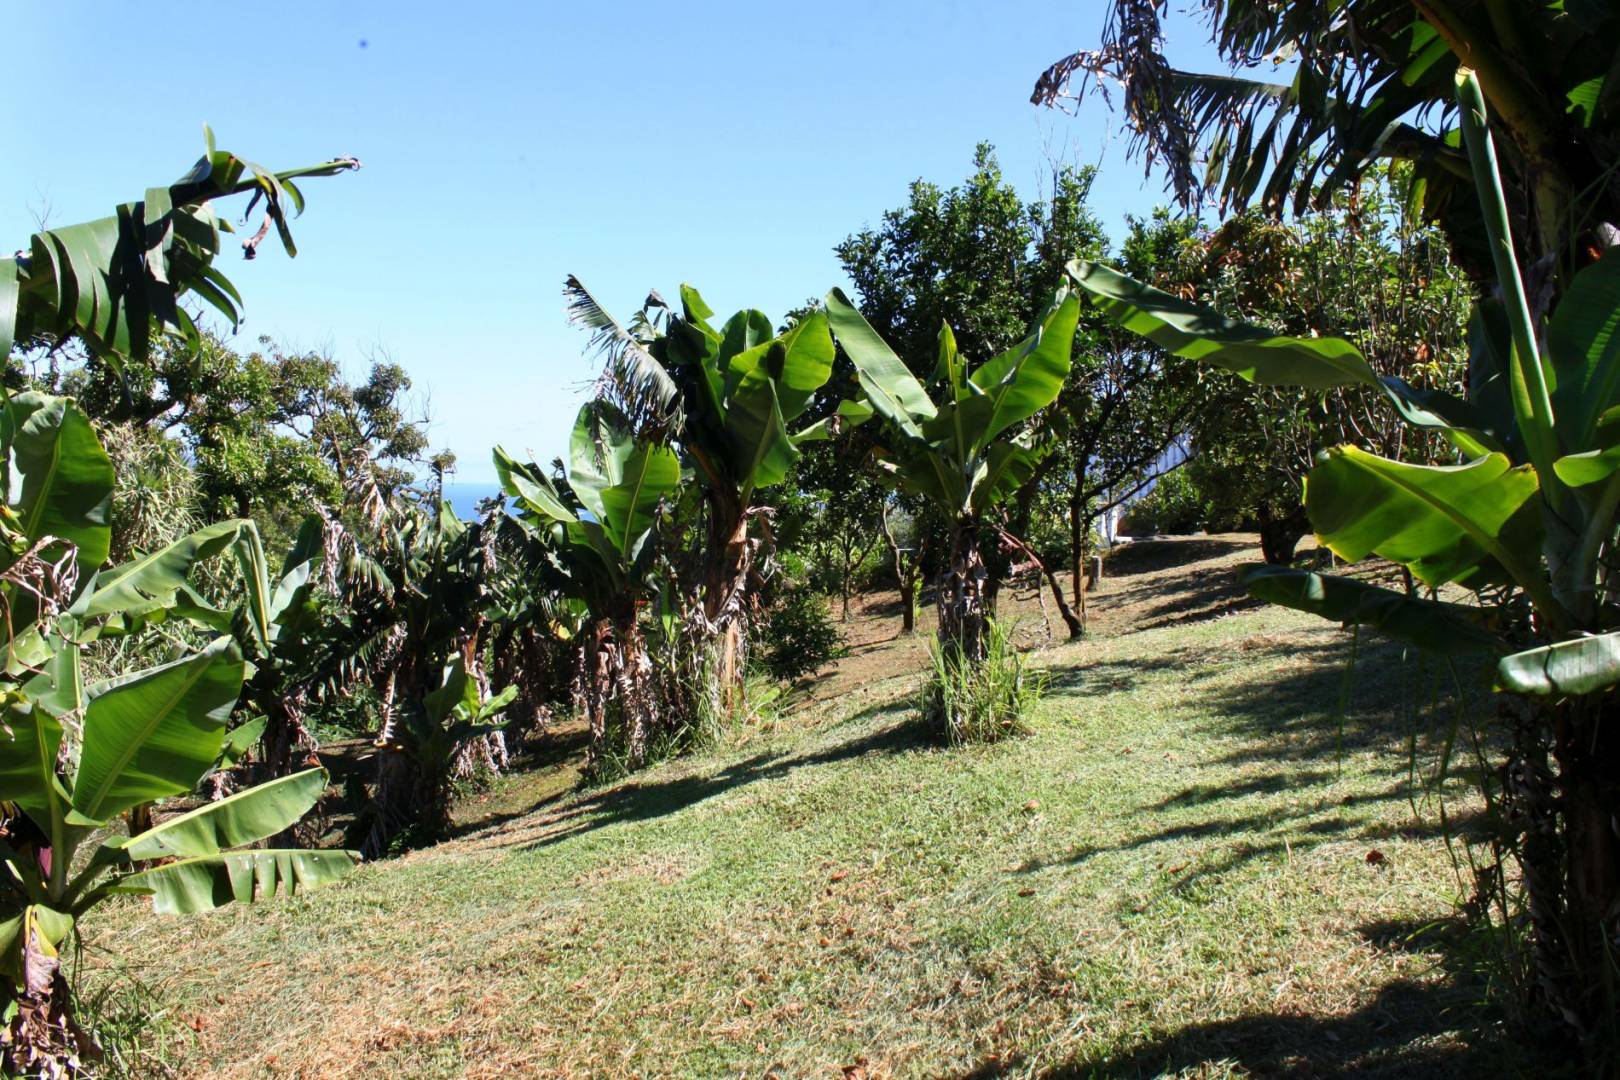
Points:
(905, 577)
(284, 732)
(1077, 547)
(963, 606)
(1280, 536)
(44, 1039)
(407, 796)
(724, 596)
(1571, 867)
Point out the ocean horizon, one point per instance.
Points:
(465, 497)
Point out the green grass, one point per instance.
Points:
(1169, 874)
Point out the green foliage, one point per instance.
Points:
(1503, 523)
(978, 258)
(1362, 263)
(984, 702)
(268, 432)
(975, 256)
(73, 757)
(600, 519)
(952, 451)
(112, 282)
(1374, 82)
(1174, 505)
(797, 634)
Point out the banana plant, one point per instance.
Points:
(112, 281)
(1526, 518)
(274, 622)
(1372, 80)
(725, 397)
(73, 757)
(141, 737)
(414, 590)
(959, 448)
(597, 531)
(280, 629)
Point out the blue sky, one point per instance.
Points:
(506, 145)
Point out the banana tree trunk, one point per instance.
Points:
(1572, 875)
(615, 689)
(484, 752)
(1280, 536)
(406, 795)
(725, 591)
(284, 734)
(964, 610)
(43, 1038)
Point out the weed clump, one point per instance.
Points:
(979, 703)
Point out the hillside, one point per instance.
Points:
(1207, 859)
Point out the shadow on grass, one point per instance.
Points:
(1209, 593)
(1153, 556)
(640, 800)
(1304, 709)
(1440, 1027)
(1408, 1031)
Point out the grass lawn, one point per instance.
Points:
(1199, 864)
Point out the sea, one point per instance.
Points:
(464, 498)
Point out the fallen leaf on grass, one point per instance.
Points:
(838, 875)
(1026, 892)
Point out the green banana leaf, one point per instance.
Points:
(1195, 332)
(239, 740)
(743, 333)
(1583, 343)
(243, 818)
(1029, 376)
(619, 480)
(30, 738)
(154, 733)
(108, 281)
(798, 363)
(67, 478)
(1432, 625)
(158, 576)
(1008, 465)
(1443, 522)
(761, 452)
(1592, 467)
(58, 688)
(212, 881)
(891, 388)
(1585, 665)
(530, 488)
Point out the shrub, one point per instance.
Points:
(1174, 505)
(797, 633)
(980, 703)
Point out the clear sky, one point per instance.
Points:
(507, 145)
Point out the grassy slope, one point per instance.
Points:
(1172, 872)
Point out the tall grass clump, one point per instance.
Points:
(980, 703)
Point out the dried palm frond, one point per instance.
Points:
(631, 377)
